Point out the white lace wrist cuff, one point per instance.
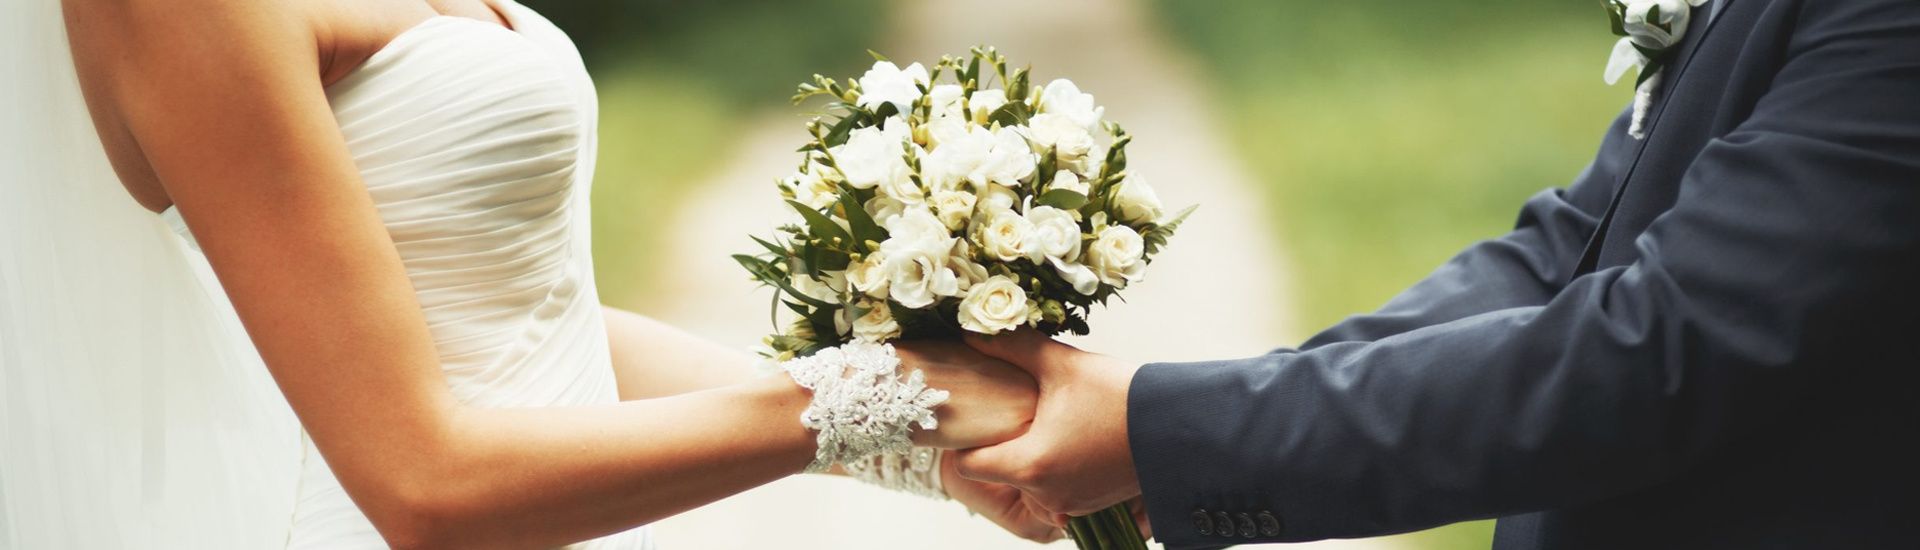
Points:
(861, 406)
(917, 472)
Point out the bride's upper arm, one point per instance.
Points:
(225, 102)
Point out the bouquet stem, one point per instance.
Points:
(1109, 529)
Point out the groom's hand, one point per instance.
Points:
(1075, 459)
(1004, 505)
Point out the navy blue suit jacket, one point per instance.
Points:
(1706, 341)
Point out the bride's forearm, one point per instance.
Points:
(542, 477)
(652, 359)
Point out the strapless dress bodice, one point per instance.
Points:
(476, 143)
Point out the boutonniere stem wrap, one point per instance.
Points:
(1648, 30)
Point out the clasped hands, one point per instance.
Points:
(1073, 457)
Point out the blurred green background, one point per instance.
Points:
(1385, 134)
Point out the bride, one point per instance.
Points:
(358, 308)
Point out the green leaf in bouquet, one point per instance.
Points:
(765, 272)
(1064, 199)
(865, 230)
(774, 248)
(1014, 113)
(832, 260)
(820, 318)
(885, 110)
(837, 135)
(877, 56)
(819, 225)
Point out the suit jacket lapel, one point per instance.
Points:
(1590, 257)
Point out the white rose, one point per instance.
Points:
(954, 207)
(918, 276)
(945, 100)
(1054, 234)
(996, 305)
(873, 155)
(984, 102)
(1067, 138)
(1674, 14)
(1116, 256)
(877, 325)
(869, 275)
(1004, 235)
(1135, 202)
(1063, 98)
(886, 83)
(814, 187)
(1066, 179)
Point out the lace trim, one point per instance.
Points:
(916, 472)
(861, 406)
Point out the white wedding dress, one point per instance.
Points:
(477, 144)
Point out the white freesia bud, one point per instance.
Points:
(984, 102)
(886, 83)
(869, 275)
(1066, 179)
(1117, 256)
(815, 289)
(873, 155)
(954, 207)
(877, 325)
(996, 305)
(1067, 138)
(1063, 98)
(814, 187)
(1135, 202)
(1004, 235)
(1054, 234)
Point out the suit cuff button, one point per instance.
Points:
(1269, 524)
(1244, 523)
(1223, 524)
(1203, 523)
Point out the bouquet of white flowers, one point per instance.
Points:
(931, 203)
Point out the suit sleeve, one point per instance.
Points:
(1788, 258)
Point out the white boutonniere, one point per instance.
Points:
(1649, 29)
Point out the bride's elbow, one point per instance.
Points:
(426, 512)
(410, 517)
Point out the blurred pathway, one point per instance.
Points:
(1218, 291)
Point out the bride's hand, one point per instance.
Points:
(992, 401)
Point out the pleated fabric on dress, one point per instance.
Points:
(477, 143)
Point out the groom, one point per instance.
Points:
(1708, 340)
